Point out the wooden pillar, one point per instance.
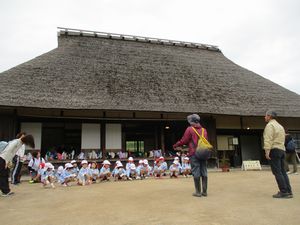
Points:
(102, 138)
(8, 125)
(162, 138)
(212, 132)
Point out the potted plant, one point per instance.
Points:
(224, 164)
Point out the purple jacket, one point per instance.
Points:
(190, 138)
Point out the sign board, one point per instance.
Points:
(251, 165)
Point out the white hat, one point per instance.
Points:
(106, 162)
(161, 157)
(49, 166)
(73, 161)
(141, 161)
(176, 162)
(68, 165)
(60, 168)
(132, 166)
(84, 162)
(119, 164)
(176, 158)
(186, 158)
(130, 159)
(145, 161)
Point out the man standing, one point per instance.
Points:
(274, 137)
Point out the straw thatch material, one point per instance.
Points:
(101, 73)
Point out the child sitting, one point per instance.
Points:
(141, 170)
(132, 173)
(174, 169)
(47, 175)
(84, 176)
(75, 169)
(128, 164)
(105, 173)
(68, 175)
(186, 167)
(94, 172)
(119, 172)
(59, 174)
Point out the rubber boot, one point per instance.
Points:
(204, 186)
(197, 187)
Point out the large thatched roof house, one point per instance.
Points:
(108, 91)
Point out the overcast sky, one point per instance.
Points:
(260, 35)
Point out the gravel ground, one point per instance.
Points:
(234, 198)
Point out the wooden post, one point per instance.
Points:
(102, 138)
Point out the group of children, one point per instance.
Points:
(89, 173)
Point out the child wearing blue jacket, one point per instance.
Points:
(94, 172)
(47, 175)
(67, 175)
(105, 173)
(174, 169)
(119, 172)
(84, 175)
(186, 167)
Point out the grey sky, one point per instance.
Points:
(260, 35)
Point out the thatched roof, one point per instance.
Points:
(100, 71)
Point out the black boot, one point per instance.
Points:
(204, 186)
(197, 187)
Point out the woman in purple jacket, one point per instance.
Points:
(199, 164)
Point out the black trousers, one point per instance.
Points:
(277, 166)
(199, 167)
(15, 176)
(4, 174)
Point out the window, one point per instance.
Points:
(135, 146)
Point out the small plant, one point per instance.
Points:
(224, 164)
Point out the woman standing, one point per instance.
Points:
(6, 157)
(199, 164)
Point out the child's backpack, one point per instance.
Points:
(3, 145)
(291, 146)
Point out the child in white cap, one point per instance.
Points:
(141, 170)
(186, 167)
(174, 169)
(47, 175)
(68, 175)
(105, 173)
(94, 171)
(59, 174)
(120, 172)
(132, 173)
(128, 165)
(147, 168)
(75, 169)
(84, 176)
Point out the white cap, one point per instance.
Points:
(106, 162)
(132, 166)
(145, 161)
(130, 159)
(176, 158)
(119, 164)
(141, 161)
(84, 162)
(175, 162)
(60, 168)
(161, 157)
(68, 165)
(186, 158)
(49, 166)
(73, 161)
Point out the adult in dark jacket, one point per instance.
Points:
(199, 166)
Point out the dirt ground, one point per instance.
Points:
(234, 198)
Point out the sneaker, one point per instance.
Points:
(204, 194)
(7, 194)
(282, 195)
(52, 185)
(31, 181)
(288, 172)
(296, 173)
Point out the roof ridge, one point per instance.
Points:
(100, 34)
